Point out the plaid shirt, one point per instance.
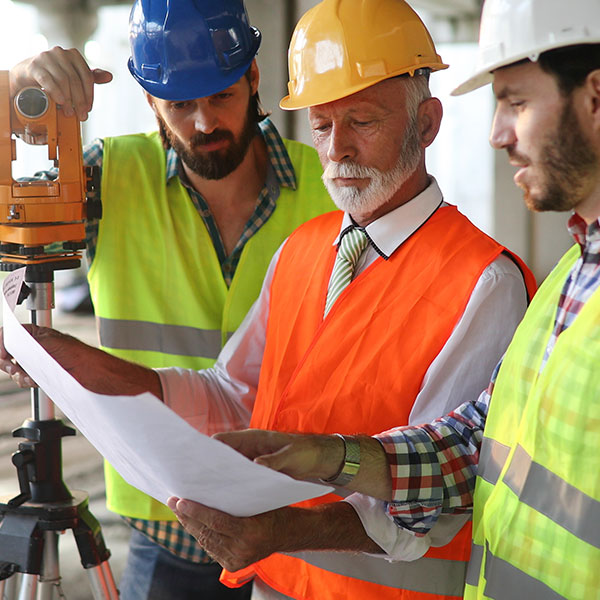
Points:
(280, 172)
(434, 467)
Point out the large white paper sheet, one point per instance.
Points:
(153, 448)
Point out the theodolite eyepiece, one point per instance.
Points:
(32, 102)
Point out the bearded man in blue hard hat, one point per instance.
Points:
(192, 215)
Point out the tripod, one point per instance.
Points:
(30, 522)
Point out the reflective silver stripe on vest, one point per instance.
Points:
(506, 582)
(552, 496)
(492, 457)
(474, 567)
(169, 339)
(426, 575)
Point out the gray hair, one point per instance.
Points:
(417, 90)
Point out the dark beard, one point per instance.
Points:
(568, 160)
(216, 164)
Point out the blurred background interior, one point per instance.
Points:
(472, 176)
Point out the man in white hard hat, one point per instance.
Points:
(536, 501)
(365, 315)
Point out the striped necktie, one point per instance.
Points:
(351, 246)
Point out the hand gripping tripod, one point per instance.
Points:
(33, 215)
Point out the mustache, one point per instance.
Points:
(199, 139)
(349, 170)
(516, 156)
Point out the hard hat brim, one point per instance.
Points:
(287, 103)
(483, 76)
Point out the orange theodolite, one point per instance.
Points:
(35, 214)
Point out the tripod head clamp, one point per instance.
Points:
(35, 214)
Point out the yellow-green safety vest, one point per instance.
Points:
(536, 522)
(156, 282)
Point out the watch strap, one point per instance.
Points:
(351, 462)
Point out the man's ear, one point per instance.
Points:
(592, 97)
(429, 119)
(254, 77)
(150, 101)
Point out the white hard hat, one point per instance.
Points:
(512, 30)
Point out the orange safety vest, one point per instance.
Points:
(359, 370)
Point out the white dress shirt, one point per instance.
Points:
(222, 398)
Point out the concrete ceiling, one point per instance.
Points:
(76, 20)
(453, 7)
(450, 8)
(69, 22)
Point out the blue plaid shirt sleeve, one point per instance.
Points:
(92, 157)
(434, 466)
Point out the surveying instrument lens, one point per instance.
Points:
(32, 102)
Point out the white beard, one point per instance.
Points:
(382, 185)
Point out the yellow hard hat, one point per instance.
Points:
(340, 47)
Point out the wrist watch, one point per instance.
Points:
(351, 462)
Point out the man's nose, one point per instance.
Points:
(205, 118)
(341, 146)
(502, 134)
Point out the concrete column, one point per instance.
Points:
(70, 26)
(274, 19)
(302, 131)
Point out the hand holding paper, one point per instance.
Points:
(109, 375)
(151, 447)
(302, 456)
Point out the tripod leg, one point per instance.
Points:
(49, 580)
(102, 582)
(8, 587)
(110, 580)
(94, 555)
(28, 587)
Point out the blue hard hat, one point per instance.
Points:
(186, 49)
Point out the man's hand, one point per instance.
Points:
(63, 348)
(236, 542)
(296, 455)
(94, 369)
(314, 456)
(64, 75)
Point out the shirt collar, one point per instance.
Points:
(587, 236)
(391, 230)
(279, 159)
